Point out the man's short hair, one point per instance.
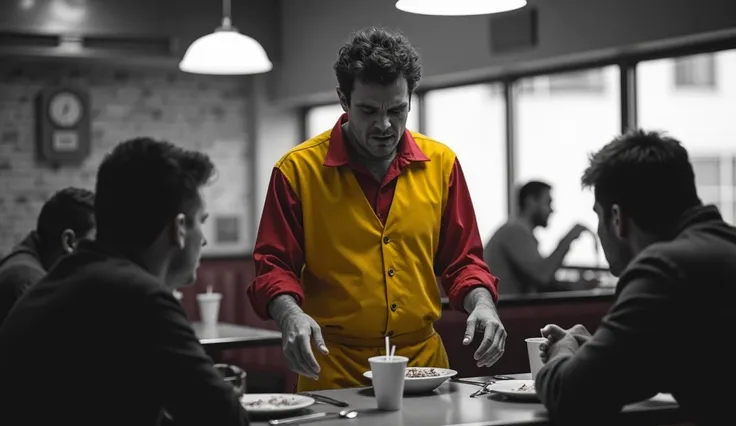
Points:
(142, 185)
(532, 189)
(377, 55)
(648, 174)
(71, 208)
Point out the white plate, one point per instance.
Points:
(516, 389)
(296, 402)
(422, 384)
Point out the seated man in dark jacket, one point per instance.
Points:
(101, 340)
(674, 300)
(65, 218)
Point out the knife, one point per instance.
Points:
(469, 382)
(325, 399)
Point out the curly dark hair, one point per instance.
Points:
(142, 185)
(648, 174)
(377, 55)
(71, 208)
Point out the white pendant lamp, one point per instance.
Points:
(225, 52)
(458, 7)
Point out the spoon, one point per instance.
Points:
(344, 414)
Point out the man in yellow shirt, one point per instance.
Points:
(357, 224)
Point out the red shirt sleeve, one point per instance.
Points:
(459, 259)
(279, 250)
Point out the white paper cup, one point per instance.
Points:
(535, 361)
(388, 381)
(209, 308)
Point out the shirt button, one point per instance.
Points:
(390, 333)
(386, 240)
(391, 272)
(393, 307)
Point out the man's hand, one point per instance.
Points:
(581, 334)
(484, 319)
(297, 331)
(562, 342)
(578, 230)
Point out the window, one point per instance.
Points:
(697, 71)
(322, 118)
(471, 121)
(556, 133)
(573, 83)
(703, 123)
(708, 179)
(715, 178)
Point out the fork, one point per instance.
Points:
(483, 390)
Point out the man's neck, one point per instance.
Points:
(152, 261)
(526, 220)
(48, 258)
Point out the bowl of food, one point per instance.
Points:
(274, 403)
(422, 379)
(515, 389)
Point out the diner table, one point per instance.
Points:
(451, 405)
(234, 336)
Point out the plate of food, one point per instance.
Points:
(274, 403)
(516, 389)
(422, 379)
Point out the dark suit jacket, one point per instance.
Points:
(101, 341)
(668, 331)
(19, 270)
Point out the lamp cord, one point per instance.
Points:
(226, 21)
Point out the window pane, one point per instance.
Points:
(707, 170)
(323, 118)
(695, 72)
(556, 133)
(701, 119)
(710, 194)
(471, 121)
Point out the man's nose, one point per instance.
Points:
(383, 123)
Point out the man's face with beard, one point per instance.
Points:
(541, 208)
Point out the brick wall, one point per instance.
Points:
(200, 112)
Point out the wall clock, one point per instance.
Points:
(63, 121)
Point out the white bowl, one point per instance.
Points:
(422, 384)
(295, 402)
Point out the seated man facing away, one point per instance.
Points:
(513, 253)
(65, 218)
(101, 340)
(674, 300)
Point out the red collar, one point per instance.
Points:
(337, 153)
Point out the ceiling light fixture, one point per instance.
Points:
(458, 7)
(225, 52)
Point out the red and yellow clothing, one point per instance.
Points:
(361, 256)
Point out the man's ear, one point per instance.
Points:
(343, 99)
(68, 241)
(619, 223)
(179, 230)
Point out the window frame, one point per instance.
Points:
(626, 59)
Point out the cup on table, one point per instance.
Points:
(535, 361)
(209, 308)
(388, 380)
